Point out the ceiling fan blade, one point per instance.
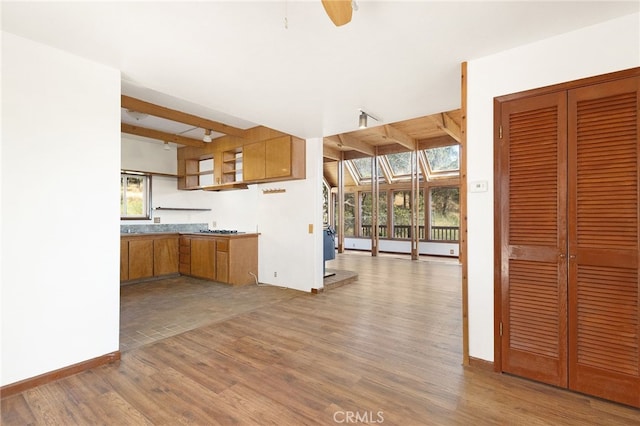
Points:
(339, 11)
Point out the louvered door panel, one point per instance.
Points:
(532, 164)
(603, 240)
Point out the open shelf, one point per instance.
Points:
(182, 209)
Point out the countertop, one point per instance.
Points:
(193, 234)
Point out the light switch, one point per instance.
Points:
(478, 186)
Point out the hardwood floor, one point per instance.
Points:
(384, 349)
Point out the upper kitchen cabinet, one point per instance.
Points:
(280, 158)
(263, 155)
(194, 173)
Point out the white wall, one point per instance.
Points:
(607, 47)
(60, 166)
(147, 155)
(286, 246)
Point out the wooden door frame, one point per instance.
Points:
(497, 237)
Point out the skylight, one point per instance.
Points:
(443, 159)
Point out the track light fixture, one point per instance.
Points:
(362, 119)
(166, 146)
(207, 136)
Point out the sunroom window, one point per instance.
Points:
(400, 165)
(443, 161)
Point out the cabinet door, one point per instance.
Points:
(532, 237)
(165, 256)
(604, 327)
(278, 157)
(222, 260)
(124, 260)
(185, 255)
(140, 259)
(253, 161)
(203, 258)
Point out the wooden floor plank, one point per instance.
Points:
(385, 349)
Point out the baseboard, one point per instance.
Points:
(23, 385)
(481, 364)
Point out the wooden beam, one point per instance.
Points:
(162, 136)
(447, 125)
(399, 137)
(436, 142)
(356, 144)
(463, 244)
(179, 116)
(332, 153)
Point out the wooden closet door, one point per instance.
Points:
(603, 240)
(532, 197)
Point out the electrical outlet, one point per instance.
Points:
(156, 220)
(451, 251)
(275, 275)
(213, 225)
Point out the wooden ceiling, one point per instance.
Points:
(430, 131)
(424, 132)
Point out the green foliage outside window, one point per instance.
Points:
(349, 215)
(134, 193)
(445, 206)
(444, 158)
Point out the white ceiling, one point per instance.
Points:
(237, 63)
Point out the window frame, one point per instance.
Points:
(146, 195)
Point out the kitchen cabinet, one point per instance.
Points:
(147, 256)
(254, 161)
(222, 260)
(140, 259)
(203, 258)
(232, 166)
(229, 259)
(184, 265)
(195, 173)
(275, 159)
(124, 260)
(165, 256)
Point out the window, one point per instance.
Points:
(326, 196)
(402, 214)
(366, 205)
(135, 196)
(400, 165)
(362, 167)
(349, 215)
(443, 161)
(444, 213)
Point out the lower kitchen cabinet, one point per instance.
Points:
(124, 260)
(184, 265)
(165, 256)
(229, 259)
(140, 259)
(146, 256)
(203, 258)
